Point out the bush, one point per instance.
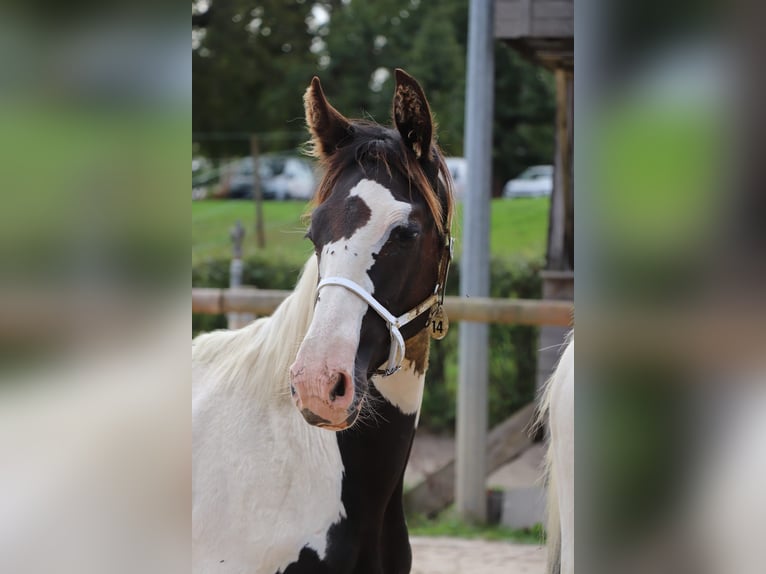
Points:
(512, 359)
(513, 349)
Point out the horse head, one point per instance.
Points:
(380, 229)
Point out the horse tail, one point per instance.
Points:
(551, 470)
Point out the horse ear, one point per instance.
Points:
(327, 125)
(412, 115)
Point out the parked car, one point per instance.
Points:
(204, 176)
(458, 168)
(282, 177)
(535, 181)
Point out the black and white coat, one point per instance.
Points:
(272, 494)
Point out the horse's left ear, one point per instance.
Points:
(412, 115)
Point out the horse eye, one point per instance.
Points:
(406, 233)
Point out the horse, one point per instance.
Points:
(556, 411)
(303, 421)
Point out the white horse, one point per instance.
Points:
(557, 410)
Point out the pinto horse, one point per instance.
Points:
(303, 421)
(556, 411)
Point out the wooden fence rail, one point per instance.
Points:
(478, 309)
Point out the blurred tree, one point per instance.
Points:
(365, 41)
(438, 61)
(525, 113)
(250, 66)
(254, 58)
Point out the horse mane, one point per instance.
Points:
(372, 143)
(260, 354)
(550, 470)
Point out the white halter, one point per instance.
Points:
(396, 355)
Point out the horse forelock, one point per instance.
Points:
(372, 147)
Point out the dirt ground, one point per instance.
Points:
(460, 556)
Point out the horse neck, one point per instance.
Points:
(376, 449)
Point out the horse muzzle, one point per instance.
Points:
(325, 399)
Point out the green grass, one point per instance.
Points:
(519, 229)
(284, 229)
(448, 524)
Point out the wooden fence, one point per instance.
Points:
(477, 309)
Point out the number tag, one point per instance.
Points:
(438, 324)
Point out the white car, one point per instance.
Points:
(291, 179)
(535, 181)
(458, 168)
(282, 177)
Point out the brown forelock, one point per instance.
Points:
(372, 142)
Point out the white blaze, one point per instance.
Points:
(333, 337)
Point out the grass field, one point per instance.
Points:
(449, 524)
(518, 229)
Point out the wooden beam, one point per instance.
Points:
(509, 311)
(560, 254)
(260, 233)
(505, 443)
(476, 309)
(207, 301)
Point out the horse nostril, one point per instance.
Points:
(339, 389)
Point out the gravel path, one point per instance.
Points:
(460, 556)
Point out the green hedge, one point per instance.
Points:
(259, 271)
(513, 349)
(513, 353)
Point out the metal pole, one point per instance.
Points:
(471, 454)
(260, 235)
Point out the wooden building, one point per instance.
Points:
(543, 31)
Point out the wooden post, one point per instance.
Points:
(567, 154)
(235, 319)
(260, 235)
(560, 256)
(558, 277)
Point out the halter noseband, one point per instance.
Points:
(396, 354)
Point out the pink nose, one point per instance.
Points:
(324, 399)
